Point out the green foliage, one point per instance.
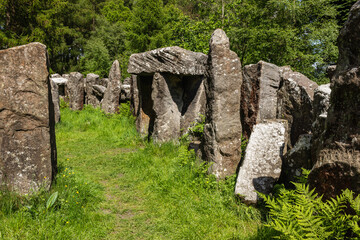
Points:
(63, 104)
(301, 214)
(52, 199)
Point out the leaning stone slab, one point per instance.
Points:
(99, 91)
(111, 100)
(262, 164)
(76, 91)
(222, 130)
(174, 60)
(27, 132)
(166, 95)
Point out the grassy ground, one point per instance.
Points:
(114, 185)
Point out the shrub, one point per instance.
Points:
(301, 214)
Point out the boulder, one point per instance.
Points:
(76, 91)
(91, 99)
(111, 100)
(222, 130)
(259, 94)
(166, 95)
(261, 167)
(295, 98)
(295, 159)
(173, 60)
(338, 159)
(27, 124)
(55, 99)
(99, 91)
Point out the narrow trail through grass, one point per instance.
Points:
(114, 185)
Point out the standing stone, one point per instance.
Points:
(194, 99)
(262, 164)
(127, 81)
(27, 131)
(259, 94)
(167, 95)
(295, 159)
(125, 93)
(222, 131)
(338, 160)
(99, 91)
(55, 99)
(295, 98)
(91, 80)
(110, 103)
(320, 110)
(76, 91)
(134, 95)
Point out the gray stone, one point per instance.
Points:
(338, 159)
(167, 95)
(295, 98)
(110, 103)
(194, 99)
(320, 110)
(295, 159)
(259, 94)
(55, 99)
(134, 95)
(330, 71)
(27, 131)
(125, 93)
(99, 91)
(173, 60)
(104, 82)
(76, 91)
(91, 80)
(222, 130)
(261, 167)
(127, 81)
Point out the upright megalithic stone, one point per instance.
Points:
(338, 160)
(56, 99)
(111, 100)
(27, 132)
(91, 80)
(76, 91)
(222, 130)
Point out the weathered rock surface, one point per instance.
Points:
(127, 81)
(134, 95)
(55, 99)
(27, 132)
(110, 103)
(167, 95)
(259, 94)
(222, 131)
(98, 91)
(338, 160)
(295, 159)
(173, 60)
(76, 91)
(261, 167)
(125, 92)
(295, 98)
(194, 99)
(320, 110)
(91, 99)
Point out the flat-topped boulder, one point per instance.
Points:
(174, 60)
(27, 132)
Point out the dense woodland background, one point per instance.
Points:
(87, 35)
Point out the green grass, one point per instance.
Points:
(114, 185)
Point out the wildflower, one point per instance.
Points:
(65, 185)
(67, 222)
(77, 192)
(69, 172)
(45, 177)
(67, 159)
(72, 172)
(63, 175)
(77, 203)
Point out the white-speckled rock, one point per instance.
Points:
(173, 60)
(262, 164)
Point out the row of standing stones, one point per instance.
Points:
(290, 122)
